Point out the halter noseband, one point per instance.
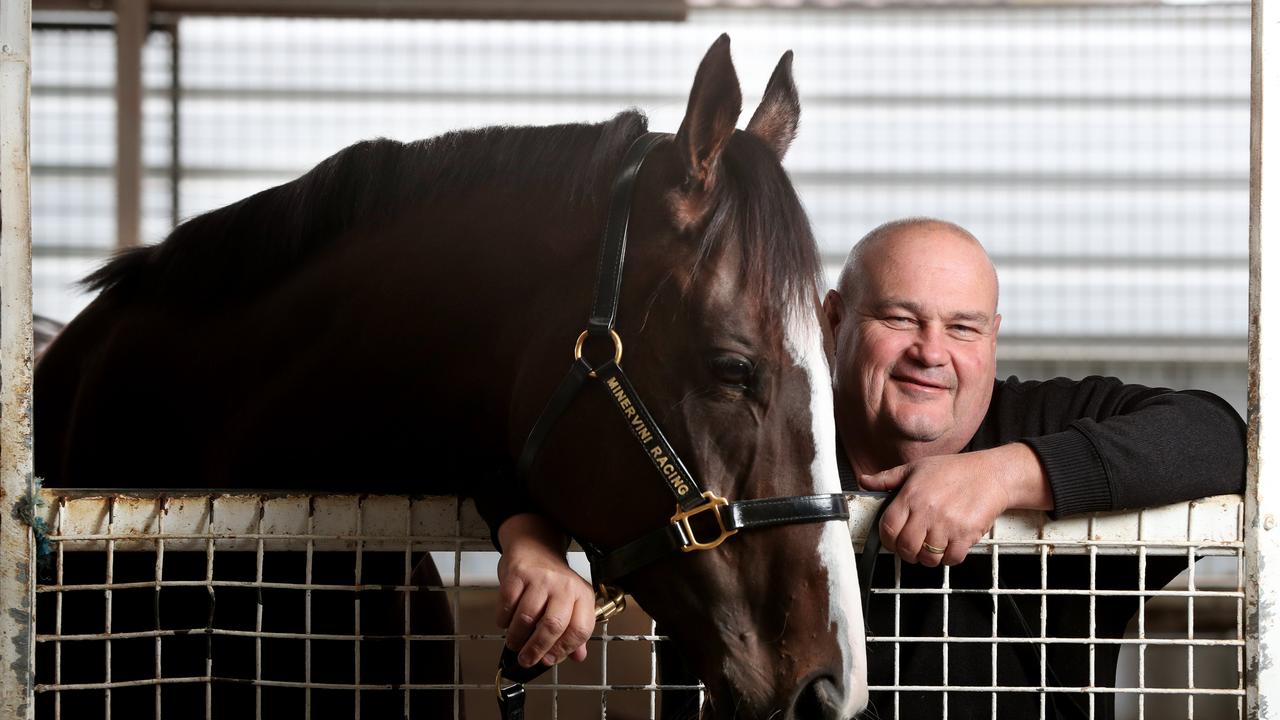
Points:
(691, 500)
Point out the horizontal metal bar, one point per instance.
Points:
(801, 178)
(649, 10)
(269, 635)
(1161, 350)
(961, 6)
(154, 537)
(628, 97)
(1060, 592)
(399, 687)
(1002, 640)
(253, 584)
(413, 637)
(192, 519)
(70, 687)
(992, 179)
(488, 589)
(598, 687)
(1056, 689)
(880, 639)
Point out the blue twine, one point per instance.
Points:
(27, 509)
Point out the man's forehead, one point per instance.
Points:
(921, 308)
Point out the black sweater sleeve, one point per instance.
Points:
(500, 498)
(1106, 445)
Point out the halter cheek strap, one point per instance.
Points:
(678, 536)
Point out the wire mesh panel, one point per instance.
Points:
(291, 606)
(325, 606)
(1102, 580)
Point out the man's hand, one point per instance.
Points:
(547, 608)
(947, 502)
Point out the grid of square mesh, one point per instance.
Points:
(1174, 660)
(316, 606)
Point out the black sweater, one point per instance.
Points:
(1104, 446)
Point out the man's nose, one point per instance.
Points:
(929, 348)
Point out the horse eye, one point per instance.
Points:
(733, 370)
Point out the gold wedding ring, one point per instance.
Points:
(935, 550)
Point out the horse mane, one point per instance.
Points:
(237, 250)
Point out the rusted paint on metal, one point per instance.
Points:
(1262, 487)
(17, 587)
(21, 643)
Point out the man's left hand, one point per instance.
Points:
(946, 503)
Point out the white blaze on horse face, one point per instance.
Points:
(804, 342)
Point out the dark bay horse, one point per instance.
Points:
(395, 319)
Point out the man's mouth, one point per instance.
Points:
(920, 383)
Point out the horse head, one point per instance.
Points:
(720, 317)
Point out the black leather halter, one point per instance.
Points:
(611, 566)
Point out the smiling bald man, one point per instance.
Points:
(919, 410)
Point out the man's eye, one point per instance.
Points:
(963, 330)
(899, 321)
(733, 370)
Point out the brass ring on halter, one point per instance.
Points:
(497, 685)
(934, 549)
(617, 348)
(610, 602)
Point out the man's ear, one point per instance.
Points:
(714, 105)
(833, 308)
(995, 330)
(778, 116)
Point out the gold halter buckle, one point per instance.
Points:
(610, 602)
(617, 348)
(713, 504)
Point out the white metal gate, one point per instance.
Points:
(621, 674)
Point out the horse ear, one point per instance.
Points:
(714, 106)
(776, 119)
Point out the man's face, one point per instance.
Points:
(916, 342)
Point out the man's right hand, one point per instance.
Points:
(950, 501)
(547, 609)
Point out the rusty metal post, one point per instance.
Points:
(17, 586)
(1262, 497)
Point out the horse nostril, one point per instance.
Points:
(819, 700)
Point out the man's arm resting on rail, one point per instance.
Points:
(1098, 445)
(951, 501)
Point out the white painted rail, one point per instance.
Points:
(86, 520)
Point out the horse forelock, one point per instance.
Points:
(239, 249)
(755, 207)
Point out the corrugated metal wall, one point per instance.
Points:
(1101, 153)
